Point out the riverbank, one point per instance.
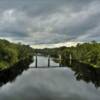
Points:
(88, 53)
(12, 53)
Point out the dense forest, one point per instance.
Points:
(11, 53)
(88, 53)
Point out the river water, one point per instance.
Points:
(48, 84)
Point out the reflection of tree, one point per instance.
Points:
(85, 72)
(11, 73)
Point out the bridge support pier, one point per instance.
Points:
(36, 61)
(70, 58)
(48, 61)
(60, 65)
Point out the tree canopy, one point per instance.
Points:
(11, 53)
(88, 53)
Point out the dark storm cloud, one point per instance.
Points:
(50, 21)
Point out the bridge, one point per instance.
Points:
(49, 59)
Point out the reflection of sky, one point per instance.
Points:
(50, 21)
(43, 62)
(48, 84)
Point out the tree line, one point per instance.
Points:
(11, 53)
(88, 53)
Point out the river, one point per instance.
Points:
(48, 84)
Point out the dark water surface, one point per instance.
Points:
(49, 84)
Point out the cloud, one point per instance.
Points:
(50, 21)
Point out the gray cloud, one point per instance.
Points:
(50, 21)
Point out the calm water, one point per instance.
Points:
(48, 84)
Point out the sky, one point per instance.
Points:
(50, 21)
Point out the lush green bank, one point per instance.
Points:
(88, 53)
(11, 53)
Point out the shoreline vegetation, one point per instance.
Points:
(85, 60)
(87, 53)
(12, 53)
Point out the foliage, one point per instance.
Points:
(11, 53)
(88, 53)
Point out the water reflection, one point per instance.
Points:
(11, 73)
(48, 84)
(43, 62)
(85, 72)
